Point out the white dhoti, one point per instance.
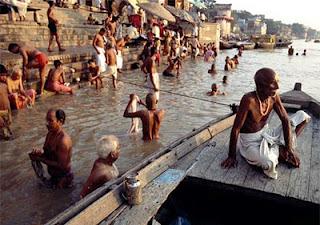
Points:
(119, 60)
(157, 84)
(135, 121)
(101, 59)
(262, 148)
(113, 71)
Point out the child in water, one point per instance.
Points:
(215, 90)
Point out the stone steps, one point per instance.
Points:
(73, 57)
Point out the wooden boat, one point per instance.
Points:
(283, 44)
(317, 41)
(246, 45)
(265, 45)
(227, 44)
(264, 41)
(198, 155)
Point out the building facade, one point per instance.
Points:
(223, 17)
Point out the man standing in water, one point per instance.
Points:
(149, 67)
(53, 23)
(151, 117)
(290, 50)
(57, 150)
(32, 58)
(258, 144)
(98, 45)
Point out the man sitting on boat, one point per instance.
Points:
(104, 168)
(56, 152)
(259, 144)
(151, 117)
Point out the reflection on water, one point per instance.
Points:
(91, 114)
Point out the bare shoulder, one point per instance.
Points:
(248, 98)
(66, 139)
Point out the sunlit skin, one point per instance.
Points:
(57, 149)
(151, 117)
(249, 118)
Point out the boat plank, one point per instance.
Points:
(157, 167)
(215, 172)
(314, 179)
(208, 154)
(153, 195)
(99, 209)
(299, 179)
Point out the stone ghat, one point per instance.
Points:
(73, 57)
(38, 34)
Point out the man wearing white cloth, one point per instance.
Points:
(258, 143)
(150, 69)
(98, 45)
(120, 44)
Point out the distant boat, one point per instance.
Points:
(317, 41)
(227, 44)
(283, 43)
(266, 45)
(264, 41)
(247, 45)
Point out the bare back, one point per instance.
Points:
(55, 74)
(58, 147)
(151, 120)
(150, 65)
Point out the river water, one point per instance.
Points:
(91, 114)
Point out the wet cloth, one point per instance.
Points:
(262, 148)
(18, 101)
(52, 27)
(134, 128)
(157, 84)
(56, 86)
(42, 59)
(113, 71)
(119, 60)
(101, 59)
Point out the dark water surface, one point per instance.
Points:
(91, 114)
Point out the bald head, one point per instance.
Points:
(266, 79)
(264, 76)
(151, 101)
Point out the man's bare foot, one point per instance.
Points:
(62, 49)
(289, 158)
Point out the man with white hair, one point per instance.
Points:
(103, 169)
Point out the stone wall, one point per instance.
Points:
(210, 32)
(38, 35)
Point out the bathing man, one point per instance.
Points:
(98, 45)
(151, 117)
(150, 69)
(56, 79)
(112, 63)
(32, 58)
(103, 169)
(57, 150)
(258, 144)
